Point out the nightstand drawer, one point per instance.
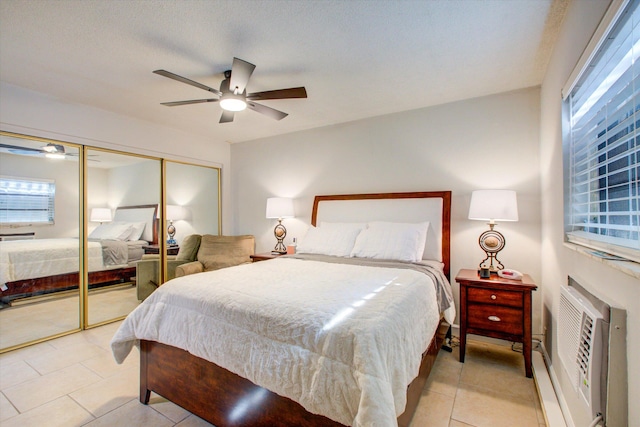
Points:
(492, 296)
(495, 318)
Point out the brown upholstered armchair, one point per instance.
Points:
(148, 268)
(217, 252)
(197, 254)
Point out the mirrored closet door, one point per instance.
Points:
(40, 239)
(193, 202)
(83, 233)
(123, 192)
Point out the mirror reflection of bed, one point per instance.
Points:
(113, 180)
(41, 275)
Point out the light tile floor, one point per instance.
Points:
(74, 381)
(32, 319)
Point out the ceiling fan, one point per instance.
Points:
(233, 95)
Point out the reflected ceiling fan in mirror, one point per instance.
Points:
(51, 150)
(233, 96)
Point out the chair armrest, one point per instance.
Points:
(189, 268)
(172, 266)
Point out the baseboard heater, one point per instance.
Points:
(592, 349)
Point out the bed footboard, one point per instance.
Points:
(226, 399)
(214, 393)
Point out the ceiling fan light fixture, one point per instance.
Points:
(232, 102)
(53, 148)
(55, 155)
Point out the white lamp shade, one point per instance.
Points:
(280, 207)
(175, 212)
(493, 205)
(100, 215)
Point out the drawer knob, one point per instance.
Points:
(493, 297)
(494, 318)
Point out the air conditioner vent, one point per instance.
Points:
(580, 346)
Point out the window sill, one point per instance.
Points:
(628, 267)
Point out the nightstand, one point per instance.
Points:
(155, 249)
(497, 308)
(265, 256)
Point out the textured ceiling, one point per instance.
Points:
(356, 59)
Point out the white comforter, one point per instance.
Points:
(344, 341)
(28, 259)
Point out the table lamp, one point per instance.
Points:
(280, 208)
(492, 206)
(100, 215)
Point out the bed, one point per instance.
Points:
(40, 266)
(312, 339)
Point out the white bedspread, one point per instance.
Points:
(28, 259)
(344, 341)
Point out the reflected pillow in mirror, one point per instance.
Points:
(111, 231)
(136, 230)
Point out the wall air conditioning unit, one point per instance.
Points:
(582, 342)
(17, 236)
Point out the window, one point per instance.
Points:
(602, 148)
(26, 201)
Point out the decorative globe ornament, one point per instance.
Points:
(491, 242)
(171, 231)
(280, 232)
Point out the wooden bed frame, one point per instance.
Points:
(226, 399)
(68, 281)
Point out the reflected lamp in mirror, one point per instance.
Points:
(492, 206)
(174, 213)
(100, 215)
(279, 208)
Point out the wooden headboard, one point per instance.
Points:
(137, 213)
(432, 206)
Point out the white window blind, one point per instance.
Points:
(26, 201)
(604, 143)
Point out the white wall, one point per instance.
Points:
(31, 113)
(489, 142)
(558, 260)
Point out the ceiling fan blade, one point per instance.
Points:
(294, 92)
(16, 148)
(267, 111)
(227, 117)
(186, 80)
(240, 73)
(193, 101)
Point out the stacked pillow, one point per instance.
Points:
(118, 230)
(377, 240)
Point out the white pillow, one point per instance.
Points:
(343, 226)
(392, 240)
(328, 241)
(136, 230)
(112, 231)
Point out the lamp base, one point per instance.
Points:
(491, 242)
(280, 232)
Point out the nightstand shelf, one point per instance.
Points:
(155, 249)
(497, 308)
(265, 256)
